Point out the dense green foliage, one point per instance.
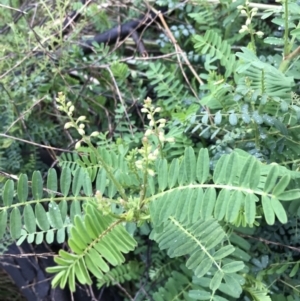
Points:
(193, 195)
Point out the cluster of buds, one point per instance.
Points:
(249, 13)
(78, 124)
(156, 129)
(156, 126)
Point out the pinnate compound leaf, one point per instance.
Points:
(37, 185)
(22, 189)
(8, 193)
(202, 170)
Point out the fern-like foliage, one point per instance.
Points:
(166, 85)
(211, 43)
(97, 241)
(264, 78)
(129, 271)
(186, 203)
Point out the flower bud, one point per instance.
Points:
(81, 118)
(148, 133)
(161, 137)
(81, 132)
(162, 120)
(259, 33)
(94, 134)
(156, 152)
(151, 157)
(145, 139)
(148, 101)
(68, 125)
(170, 139)
(81, 126)
(139, 164)
(151, 172)
(78, 144)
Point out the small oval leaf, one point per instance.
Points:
(3, 222)
(37, 185)
(8, 193)
(281, 185)
(289, 195)
(65, 181)
(233, 267)
(279, 210)
(162, 174)
(22, 188)
(54, 216)
(268, 210)
(190, 164)
(41, 217)
(15, 223)
(202, 169)
(29, 219)
(52, 182)
(271, 178)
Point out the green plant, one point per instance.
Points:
(193, 212)
(199, 202)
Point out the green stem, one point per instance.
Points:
(286, 29)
